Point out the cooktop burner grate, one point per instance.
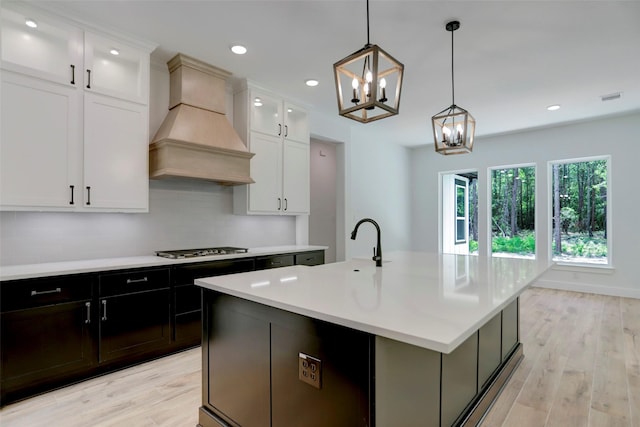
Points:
(190, 253)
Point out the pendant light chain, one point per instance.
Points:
(453, 98)
(368, 43)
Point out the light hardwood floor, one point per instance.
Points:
(581, 368)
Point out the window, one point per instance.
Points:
(513, 212)
(579, 205)
(461, 211)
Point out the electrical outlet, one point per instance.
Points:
(310, 370)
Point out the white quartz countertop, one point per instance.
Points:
(28, 271)
(429, 300)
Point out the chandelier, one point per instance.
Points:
(453, 127)
(368, 83)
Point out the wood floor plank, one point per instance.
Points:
(610, 390)
(165, 392)
(573, 399)
(631, 328)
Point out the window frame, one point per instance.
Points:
(570, 265)
(489, 243)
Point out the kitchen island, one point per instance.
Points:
(424, 340)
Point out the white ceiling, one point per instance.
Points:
(512, 58)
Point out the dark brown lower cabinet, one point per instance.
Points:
(135, 314)
(61, 329)
(47, 334)
(134, 324)
(253, 356)
(187, 298)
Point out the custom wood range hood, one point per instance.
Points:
(196, 140)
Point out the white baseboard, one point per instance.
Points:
(590, 289)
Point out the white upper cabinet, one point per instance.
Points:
(59, 52)
(52, 50)
(74, 131)
(116, 171)
(266, 113)
(115, 68)
(277, 132)
(296, 123)
(40, 144)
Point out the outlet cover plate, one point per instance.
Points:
(310, 370)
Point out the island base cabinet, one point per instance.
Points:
(237, 362)
(252, 368)
(408, 393)
(343, 373)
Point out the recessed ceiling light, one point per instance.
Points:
(31, 23)
(238, 49)
(114, 52)
(311, 82)
(553, 107)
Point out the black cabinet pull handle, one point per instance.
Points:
(71, 187)
(279, 129)
(276, 262)
(130, 281)
(279, 203)
(88, 319)
(88, 79)
(286, 131)
(88, 195)
(104, 309)
(73, 74)
(286, 204)
(52, 291)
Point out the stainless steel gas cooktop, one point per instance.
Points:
(190, 253)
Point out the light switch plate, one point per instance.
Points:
(310, 370)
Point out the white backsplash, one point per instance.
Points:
(182, 214)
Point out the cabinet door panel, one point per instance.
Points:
(47, 52)
(121, 75)
(238, 361)
(115, 154)
(39, 143)
(43, 344)
(134, 324)
(343, 397)
(265, 171)
(296, 177)
(310, 258)
(266, 114)
(296, 123)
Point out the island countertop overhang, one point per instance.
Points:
(434, 301)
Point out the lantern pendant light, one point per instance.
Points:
(453, 127)
(368, 83)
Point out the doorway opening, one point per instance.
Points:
(459, 213)
(326, 217)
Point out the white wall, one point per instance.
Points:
(380, 188)
(323, 214)
(182, 214)
(615, 136)
(376, 177)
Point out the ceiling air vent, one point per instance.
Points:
(611, 96)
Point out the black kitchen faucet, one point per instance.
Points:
(377, 251)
